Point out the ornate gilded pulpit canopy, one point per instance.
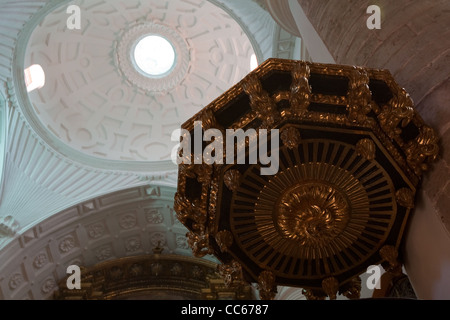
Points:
(315, 181)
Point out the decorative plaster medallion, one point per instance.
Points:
(15, 281)
(132, 244)
(40, 260)
(95, 230)
(158, 239)
(312, 213)
(103, 253)
(128, 221)
(125, 51)
(182, 242)
(154, 216)
(48, 286)
(67, 244)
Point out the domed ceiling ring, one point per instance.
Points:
(123, 57)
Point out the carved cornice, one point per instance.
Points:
(157, 276)
(124, 223)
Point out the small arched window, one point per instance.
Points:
(34, 77)
(253, 62)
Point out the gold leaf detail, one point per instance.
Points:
(300, 88)
(231, 179)
(199, 243)
(359, 96)
(366, 149)
(266, 285)
(422, 150)
(224, 240)
(312, 213)
(290, 137)
(405, 197)
(390, 254)
(352, 289)
(398, 111)
(260, 101)
(231, 273)
(331, 286)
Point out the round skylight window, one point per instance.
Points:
(154, 56)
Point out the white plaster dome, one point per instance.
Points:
(98, 101)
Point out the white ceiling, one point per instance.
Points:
(96, 105)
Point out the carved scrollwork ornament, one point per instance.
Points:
(187, 170)
(352, 289)
(266, 285)
(224, 240)
(231, 273)
(208, 120)
(186, 209)
(300, 88)
(203, 172)
(390, 255)
(199, 244)
(231, 179)
(290, 137)
(405, 198)
(313, 214)
(313, 294)
(260, 101)
(422, 150)
(330, 286)
(397, 112)
(366, 149)
(359, 96)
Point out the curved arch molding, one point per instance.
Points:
(121, 224)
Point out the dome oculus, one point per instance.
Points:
(154, 56)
